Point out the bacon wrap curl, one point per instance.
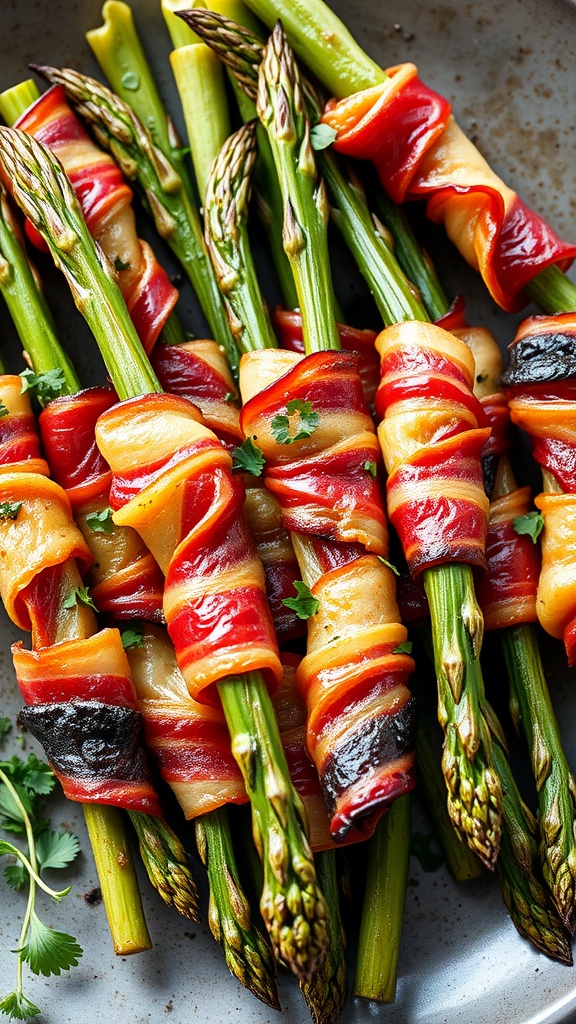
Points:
(506, 592)
(288, 327)
(408, 131)
(547, 411)
(82, 708)
(106, 203)
(19, 442)
(360, 713)
(172, 482)
(125, 579)
(321, 482)
(432, 436)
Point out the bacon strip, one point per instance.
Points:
(432, 436)
(547, 411)
(408, 131)
(106, 202)
(125, 580)
(82, 708)
(360, 713)
(173, 483)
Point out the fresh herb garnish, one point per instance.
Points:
(132, 638)
(322, 136)
(10, 509)
(305, 605)
(78, 594)
(101, 522)
(23, 784)
(45, 386)
(531, 524)
(371, 468)
(3, 410)
(286, 432)
(249, 458)
(403, 648)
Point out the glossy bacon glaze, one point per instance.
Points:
(421, 153)
(125, 580)
(172, 482)
(506, 591)
(432, 435)
(82, 708)
(360, 713)
(106, 202)
(547, 411)
(198, 371)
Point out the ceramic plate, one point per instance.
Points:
(509, 71)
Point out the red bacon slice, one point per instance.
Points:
(408, 131)
(432, 436)
(360, 713)
(173, 483)
(125, 580)
(106, 203)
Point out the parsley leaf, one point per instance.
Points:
(305, 605)
(45, 386)
(388, 564)
(132, 638)
(3, 410)
(249, 458)
(305, 425)
(48, 951)
(56, 849)
(531, 524)
(15, 875)
(78, 594)
(10, 509)
(16, 1005)
(119, 265)
(322, 136)
(404, 648)
(371, 468)
(101, 522)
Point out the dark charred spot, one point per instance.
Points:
(540, 358)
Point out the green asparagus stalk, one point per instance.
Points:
(247, 953)
(241, 51)
(322, 41)
(118, 130)
(162, 852)
(383, 910)
(226, 218)
(293, 907)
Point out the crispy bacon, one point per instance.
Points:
(432, 436)
(19, 442)
(420, 152)
(125, 580)
(173, 483)
(106, 203)
(360, 713)
(547, 411)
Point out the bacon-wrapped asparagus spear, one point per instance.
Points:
(430, 155)
(214, 657)
(163, 854)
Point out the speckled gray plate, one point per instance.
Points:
(509, 70)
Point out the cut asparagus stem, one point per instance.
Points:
(226, 217)
(247, 952)
(162, 852)
(463, 865)
(200, 81)
(292, 904)
(555, 783)
(383, 909)
(17, 99)
(117, 877)
(241, 51)
(118, 130)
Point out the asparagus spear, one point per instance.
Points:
(118, 130)
(163, 855)
(323, 43)
(226, 216)
(293, 907)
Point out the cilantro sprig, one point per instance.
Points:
(78, 595)
(531, 524)
(305, 605)
(101, 522)
(299, 424)
(45, 386)
(23, 786)
(249, 458)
